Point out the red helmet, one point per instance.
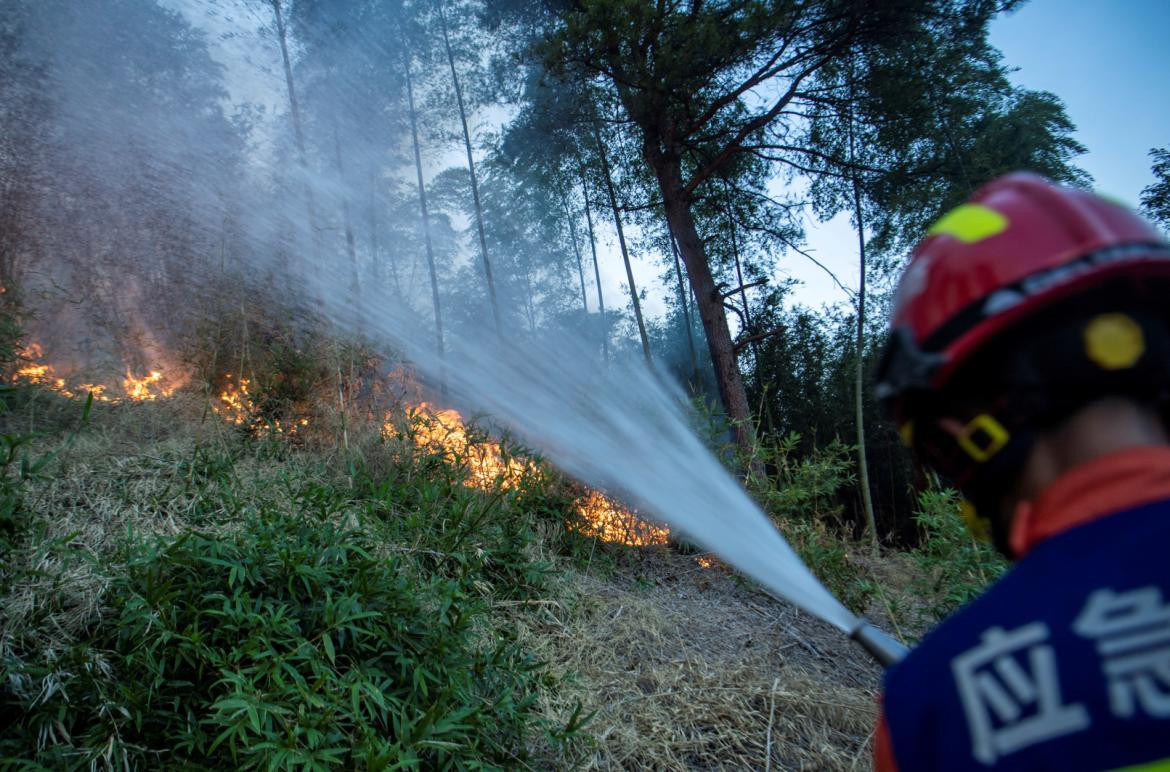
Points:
(1018, 245)
(1019, 306)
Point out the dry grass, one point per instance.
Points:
(121, 477)
(96, 496)
(686, 668)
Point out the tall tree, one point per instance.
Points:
(690, 77)
(607, 177)
(572, 222)
(596, 267)
(684, 306)
(907, 127)
(859, 369)
(487, 265)
(297, 123)
(936, 115)
(436, 303)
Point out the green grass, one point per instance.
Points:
(214, 600)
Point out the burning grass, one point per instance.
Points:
(433, 429)
(34, 370)
(490, 466)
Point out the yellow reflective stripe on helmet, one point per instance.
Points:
(970, 223)
(982, 437)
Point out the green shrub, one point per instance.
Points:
(289, 642)
(802, 495)
(954, 566)
(455, 529)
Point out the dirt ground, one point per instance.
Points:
(685, 667)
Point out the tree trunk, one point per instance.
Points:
(596, 269)
(617, 218)
(686, 312)
(859, 385)
(749, 328)
(298, 133)
(529, 305)
(765, 406)
(377, 275)
(862, 464)
(487, 265)
(350, 247)
(576, 249)
(380, 266)
(422, 203)
(727, 376)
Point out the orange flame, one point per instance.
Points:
(147, 388)
(35, 372)
(237, 407)
(445, 431)
(442, 431)
(609, 521)
(43, 374)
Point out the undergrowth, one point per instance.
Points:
(953, 566)
(236, 602)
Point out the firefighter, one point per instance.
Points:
(1028, 364)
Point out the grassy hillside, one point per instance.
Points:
(181, 590)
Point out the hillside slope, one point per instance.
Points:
(180, 590)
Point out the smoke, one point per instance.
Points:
(143, 192)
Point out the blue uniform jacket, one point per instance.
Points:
(1064, 664)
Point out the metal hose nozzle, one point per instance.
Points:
(880, 645)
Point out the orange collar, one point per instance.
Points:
(1094, 489)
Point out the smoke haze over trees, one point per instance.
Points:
(156, 173)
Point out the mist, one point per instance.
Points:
(157, 175)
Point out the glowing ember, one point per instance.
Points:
(237, 407)
(609, 521)
(235, 401)
(97, 390)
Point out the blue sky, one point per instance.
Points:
(1107, 60)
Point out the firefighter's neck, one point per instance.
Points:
(1100, 428)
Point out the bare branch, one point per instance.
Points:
(738, 312)
(740, 344)
(735, 144)
(787, 243)
(756, 283)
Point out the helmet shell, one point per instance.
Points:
(1019, 244)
